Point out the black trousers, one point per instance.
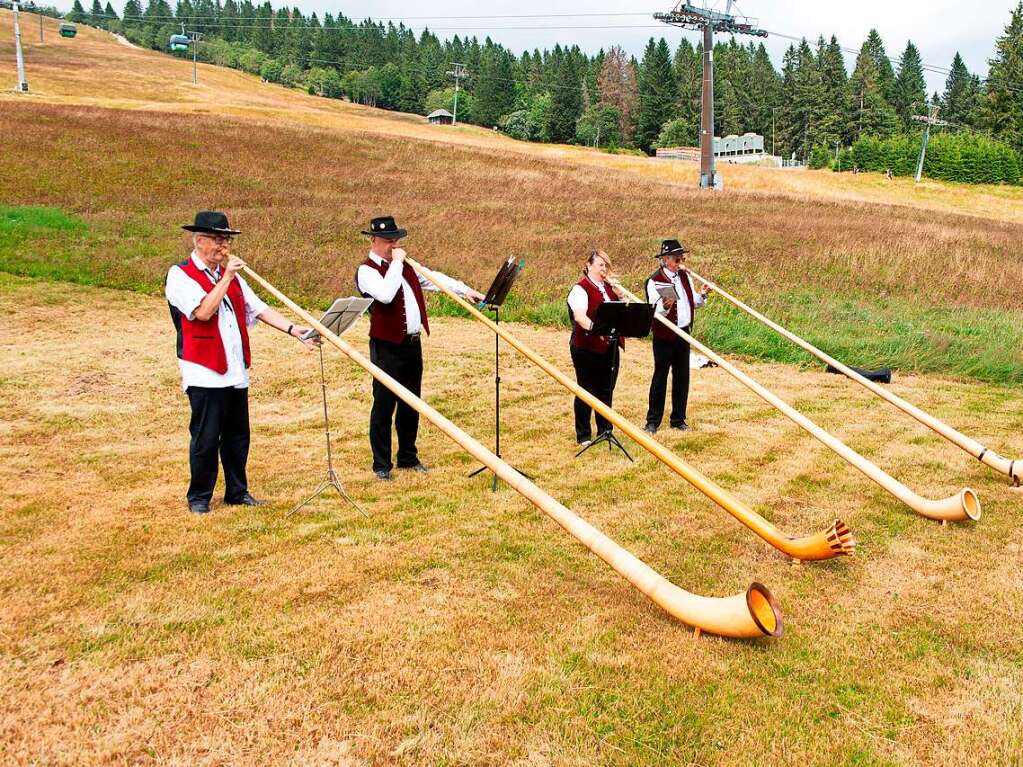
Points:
(598, 374)
(403, 362)
(670, 356)
(220, 423)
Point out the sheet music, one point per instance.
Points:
(341, 315)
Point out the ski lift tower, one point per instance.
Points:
(689, 16)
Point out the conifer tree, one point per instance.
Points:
(493, 87)
(77, 13)
(874, 47)
(1003, 102)
(566, 100)
(834, 125)
(870, 111)
(688, 66)
(961, 100)
(910, 86)
(658, 93)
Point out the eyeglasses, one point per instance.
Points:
(220, 239)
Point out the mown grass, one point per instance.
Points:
(459, 626)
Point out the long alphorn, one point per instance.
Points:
(754, 613)
(834, 541)
(963, 505)
(1011, 468)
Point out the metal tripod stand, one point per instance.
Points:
(497, 405)
(332, 478)
(608, 436)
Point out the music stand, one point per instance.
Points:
(618, 319)
(493, 300)
(342, 314)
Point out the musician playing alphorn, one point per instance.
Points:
(397, 316)
(671, 352)
(593, 356)
(212, 308)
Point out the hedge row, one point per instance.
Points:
(965, 157)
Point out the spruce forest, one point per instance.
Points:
(814, 110)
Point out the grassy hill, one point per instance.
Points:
(876, 272)
(457, 626)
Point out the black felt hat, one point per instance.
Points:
(211, 222)
(672, 248)
(384, 226)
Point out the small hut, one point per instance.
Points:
(440, 117)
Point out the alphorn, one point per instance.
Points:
(754, 613)
(1011, 468)
(833, 542)
(963, 505)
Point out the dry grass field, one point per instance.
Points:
(454, 626)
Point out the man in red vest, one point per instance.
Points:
(671, 352)
(396, 318)
(212, 309)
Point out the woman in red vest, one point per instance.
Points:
(593, 356)
(212, 308)
(671, 352)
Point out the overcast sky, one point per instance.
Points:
(938, 27)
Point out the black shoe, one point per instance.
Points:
(417, 468)
(246, 500)
(381, 473)
(680, 426)
(199, 507)
(650, 429)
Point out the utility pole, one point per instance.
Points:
(458, 73)
(22, 86)
(194, 37)
(928, 121)
(688, 16)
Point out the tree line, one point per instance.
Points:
(611, 99)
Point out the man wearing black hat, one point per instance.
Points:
(212, 308)
(671, 352)
(396, 318)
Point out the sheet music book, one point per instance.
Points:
(667, 291)
(341, 315)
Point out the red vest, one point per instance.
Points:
(659, 331)
(388, 322)
(199, 341)
(584, 339)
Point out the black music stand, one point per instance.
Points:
(339, 317)
(617, 319)
(495, 296)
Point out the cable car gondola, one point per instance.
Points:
(67, 29)
(178, 43)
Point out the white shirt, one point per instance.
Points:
(385, 288)
(185, 295)
(685, 318)
(579, 302)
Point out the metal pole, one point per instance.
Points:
(707, 175)
(923, 152)
(195, 52)
(22, 86)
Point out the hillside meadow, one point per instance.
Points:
(871, 284)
